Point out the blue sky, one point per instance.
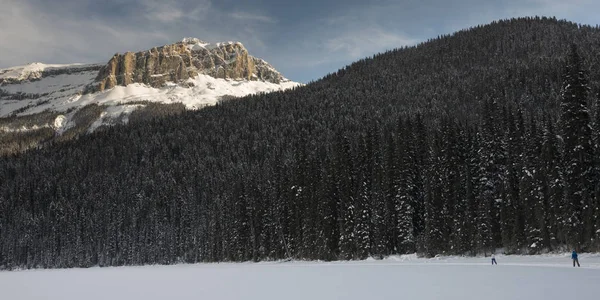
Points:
(303, 39)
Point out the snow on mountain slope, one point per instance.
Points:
(35, 88)
(34, 93)
(63, 92)
(32, 71)
(401, 277)
(202, 91)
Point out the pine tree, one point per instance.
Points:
(346, 198)
(435, 210)
(468, 214)
(380, 234)
(577, 151)
(511, 213)
(419, 151)
(552, 187)
(364, 209)
(401, 192)
(490, 184)
(530, 193)
(596, 171)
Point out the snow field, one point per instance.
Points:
(405, 277)
(32, 70)
(61, 92)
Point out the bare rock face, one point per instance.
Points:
(180, 61)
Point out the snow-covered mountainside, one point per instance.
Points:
(191, 72)
(36, 71)
(37, 87)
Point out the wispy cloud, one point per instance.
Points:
(165, 14)
(309, 40)
(562, 3)
(559, 8)
(170, 11)
(23, 36)
(36, 35)
(245, 16)
(367, 41)
(35, 31)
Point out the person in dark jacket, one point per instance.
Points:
(574, 258)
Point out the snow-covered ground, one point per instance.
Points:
(407, 277)
(32, 70)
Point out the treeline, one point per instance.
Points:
(20, 133)
(368, 161)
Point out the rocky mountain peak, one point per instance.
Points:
(193, 40)
(183, 60)
(65, 100)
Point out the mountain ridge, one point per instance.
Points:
(190, 72)
(179, 63)
(182, 60)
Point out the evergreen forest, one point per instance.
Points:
(483, 139)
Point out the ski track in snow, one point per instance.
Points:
(398, 277)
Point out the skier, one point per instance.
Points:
(574, 258)
(494, 260)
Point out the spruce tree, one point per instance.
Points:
(402, 193)
(577, 150)
(552, 187)
(596, 172)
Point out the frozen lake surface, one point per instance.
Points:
(406, 277)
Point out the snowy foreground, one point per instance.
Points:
(406, 277)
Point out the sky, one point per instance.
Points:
(304, 40)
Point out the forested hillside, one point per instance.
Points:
(486, 138)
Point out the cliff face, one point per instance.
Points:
(180, 61)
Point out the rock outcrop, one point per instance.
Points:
(180, 61)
